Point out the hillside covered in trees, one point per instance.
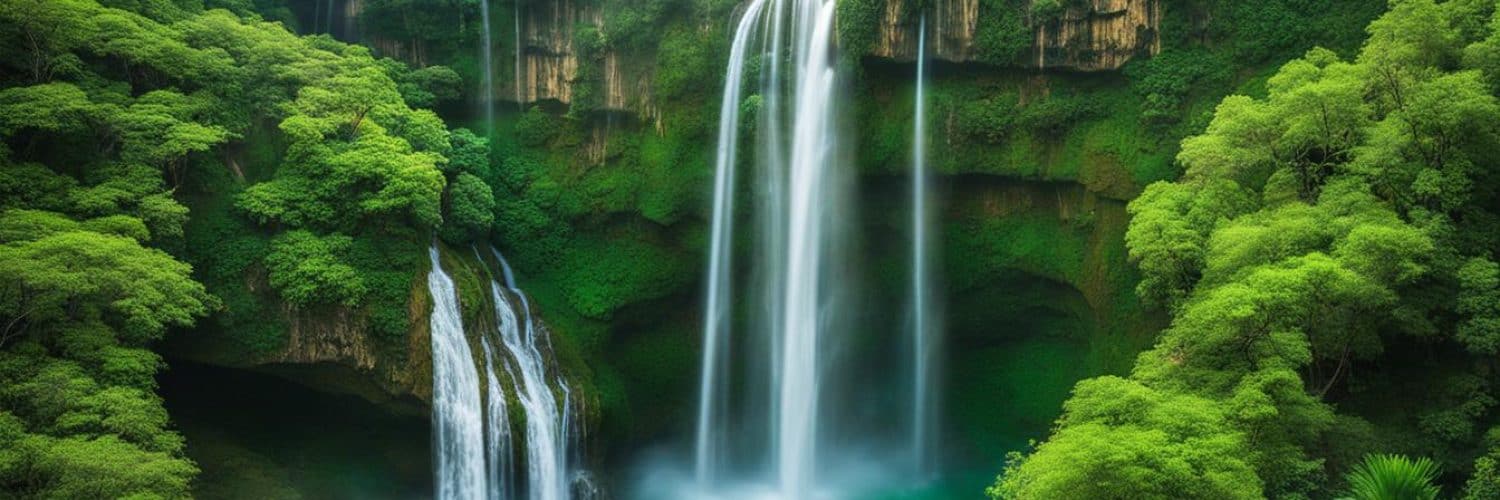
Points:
(883, 249)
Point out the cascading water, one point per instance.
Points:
(475, 453)
(797, 297)
(486, 69)
(712, 393)
(923, 343)
(546, 427)
(457, 417)
(517, 17)
(497, 443)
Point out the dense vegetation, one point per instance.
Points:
(1321, 241)
(1326, 259)
(303, 163)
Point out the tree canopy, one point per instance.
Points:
(1313, 229)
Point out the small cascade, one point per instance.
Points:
(499, 452)
(457, 416)
(487, 70)
(476, 455)
(538, 386)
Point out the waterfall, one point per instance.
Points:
(498, 449)
(546, 425)
(486, 68)
(715, 316)
(800, 206)
(922, 343)
(329, 28)
(808, 186)
(475, 453)
(457, 417)
(517, 16)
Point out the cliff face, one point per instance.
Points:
(331, 349)
(1099, 35)
(549, 65)
(550, 62)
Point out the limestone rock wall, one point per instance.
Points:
(550, 62)
(1098, 35)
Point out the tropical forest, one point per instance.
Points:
(750, 249)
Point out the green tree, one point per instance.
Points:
(1120, 439)
(308, 269)
(75, 274)
(471, 207)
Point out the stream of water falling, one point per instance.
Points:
(546, 423)
(487, 70)
(521, 104)
(799, 206)
(457, 416)
(499, 452)
(712, 394)
(922, 341)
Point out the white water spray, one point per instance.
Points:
(798, 197)
(546, 430)
(457, 417)
(497, 443)
(712, 384)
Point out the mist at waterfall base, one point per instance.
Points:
(806, 390)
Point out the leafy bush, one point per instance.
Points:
(1393, 477)
(307, 269)
(1002, 36)
(1166, 81)
(471, 209)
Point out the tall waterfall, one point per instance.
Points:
(546, 423)
(712, 386)
(457, 417)
(486, 69)
(923, 343)
(797, 301)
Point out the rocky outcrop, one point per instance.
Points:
(1088, 35)
(552, 67)
(330, 349)
(951, 37)
(550, 61)
(334, 351)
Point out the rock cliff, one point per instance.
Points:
(1093, 35)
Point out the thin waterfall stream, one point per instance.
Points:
(499, 451)
(712, 395)
(923, 342)
(520, 103)
(487, 70)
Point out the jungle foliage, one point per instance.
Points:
(1318, 236)
(157, 159)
